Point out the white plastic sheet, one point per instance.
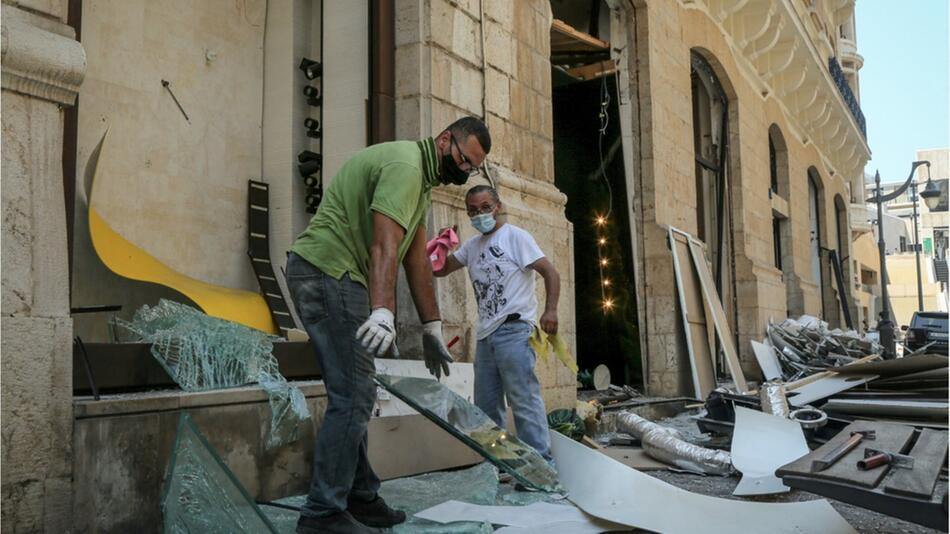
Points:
(610, 490)
(768, 361)
(761, 443)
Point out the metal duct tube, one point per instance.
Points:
(773, 397)
(666, 445)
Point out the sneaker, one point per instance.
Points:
(338, 523)
(375, 513)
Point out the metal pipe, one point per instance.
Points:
(382, 72)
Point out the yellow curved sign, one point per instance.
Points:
(129, 261)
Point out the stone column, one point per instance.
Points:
(43, 66)
(491, 61)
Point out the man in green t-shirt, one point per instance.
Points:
(341, 273)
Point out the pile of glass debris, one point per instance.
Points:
(203, 353)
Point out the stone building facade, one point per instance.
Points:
(774, 61)
(777, 71)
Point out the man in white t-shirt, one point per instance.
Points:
(501, 263)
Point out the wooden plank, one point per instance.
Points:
(590, 443)
(564, 38)
(817, 376)
(718, 314)
(890, 437)
(929, 454)
(594, 70)
(694, 317)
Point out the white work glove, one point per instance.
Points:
(377, 333)
(434, 351)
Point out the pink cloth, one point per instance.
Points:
(438, 248)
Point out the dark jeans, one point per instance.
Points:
(332, 310)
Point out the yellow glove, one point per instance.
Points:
(542, 344)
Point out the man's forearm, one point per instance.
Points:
(423, 291)
(419, 276)
(382, 277)
(552, 289)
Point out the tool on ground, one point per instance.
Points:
(841, 450)
(874, 458)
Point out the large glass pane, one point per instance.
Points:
(470, 425)
(202, 494)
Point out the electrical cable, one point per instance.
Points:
(604, 121)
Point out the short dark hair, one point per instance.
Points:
(467, 126)
(483, 189)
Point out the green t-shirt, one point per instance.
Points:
(394, 179)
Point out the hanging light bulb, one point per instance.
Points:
(602, 241)
(606, 282)
(603, 261)
(608, 304)
(600, 220)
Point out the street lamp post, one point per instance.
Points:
(920, 285)
(885, 326)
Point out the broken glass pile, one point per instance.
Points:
(474, 428)
(202, 494)
(202, 353)
(476, 485)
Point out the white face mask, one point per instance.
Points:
(484, 222)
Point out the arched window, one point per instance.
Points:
(781, 221)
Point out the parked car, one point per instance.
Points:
(927, 327)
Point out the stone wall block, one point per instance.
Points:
(456, 31)
(408, 22)
(502, 152)
(520, 103)
(500, 10)
(409, 76)
(17, 230)
(37, 413)
(498, 47)
(523, 22)
(498, 93)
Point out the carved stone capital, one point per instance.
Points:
(40, 56)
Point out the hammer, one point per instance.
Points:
(841, 450)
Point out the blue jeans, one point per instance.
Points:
(331, 311)
(504, 366)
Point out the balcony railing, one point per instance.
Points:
(838, 76)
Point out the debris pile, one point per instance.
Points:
(805, 346)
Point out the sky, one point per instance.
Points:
(904, 81)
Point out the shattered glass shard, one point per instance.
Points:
(202, 494)
(472, 427)
(288, 408)
(202, 353)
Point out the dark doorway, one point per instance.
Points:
(586, 132)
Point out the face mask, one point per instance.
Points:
(484, 223)
(451, 173)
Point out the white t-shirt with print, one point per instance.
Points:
(498, 266)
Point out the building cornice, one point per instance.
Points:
(40, 56)
(778, 56)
